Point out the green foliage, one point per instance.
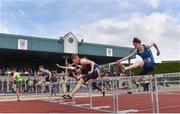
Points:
(162, 68)
(159, 69)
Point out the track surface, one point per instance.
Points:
(169, 103)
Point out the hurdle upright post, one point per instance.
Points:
(152, 93)
(36, 90)
(157, 95)
(117, 95)
(60, 92)
(179, 80)
(50, 91)
(90, 94)
(113, 94)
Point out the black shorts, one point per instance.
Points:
(47, 79)
(94, 75)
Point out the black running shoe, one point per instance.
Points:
(63, 95)
(103, 93)
(67, 97)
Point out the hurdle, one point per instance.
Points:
(103, 107)
(130, 90)
(115, 90)
(90, 105)
(166, 83)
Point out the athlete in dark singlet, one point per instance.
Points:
(89, 71)
(44, 72)
(147, 64)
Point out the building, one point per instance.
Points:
(27, 51)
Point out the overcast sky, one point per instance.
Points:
(113, 22)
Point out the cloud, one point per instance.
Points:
(124, 3)
(159, 27)
(4, 28)
(154, 3)
(0, 5)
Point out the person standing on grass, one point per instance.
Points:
(144, 51)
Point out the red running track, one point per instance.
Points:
(169, 103)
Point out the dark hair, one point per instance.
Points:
(13, 69)
(41, 66)
(136, 40)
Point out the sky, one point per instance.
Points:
(113, 22)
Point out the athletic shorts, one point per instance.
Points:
(148, 67)
(18, 84)
(94, 75)
(47, 79)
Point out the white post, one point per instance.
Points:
(90, 93)
(60, 92)
(117, 95)
(152, 93)
(50, 91)
(129, 63)
(114, 96)
(157, 95)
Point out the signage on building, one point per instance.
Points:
(109, 52)
(22, 44)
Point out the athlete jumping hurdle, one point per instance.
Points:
(89, 70)
(43, 72)
(147, 64)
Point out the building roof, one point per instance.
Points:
(98, 52)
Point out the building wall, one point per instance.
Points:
(101, 50)
(34, 43)
(8, 41)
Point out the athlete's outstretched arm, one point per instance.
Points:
(128, 57)
(155, 45)
(49, 73)
(63, 67)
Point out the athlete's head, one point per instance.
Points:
(41, 68)
(137, 43)
(13, 70)
(75, 58)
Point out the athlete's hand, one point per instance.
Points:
(158, 53)
(90, 72)
(57, 65)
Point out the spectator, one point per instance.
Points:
(54, 84)
(30, 85)
(23, 86)
(7, 71)
(1, 71)
(26, 73)
(63, 83)
(1, 84)
(68, 85)
(5, 86)
(146, 85)
(34, 85)
(27, 85)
